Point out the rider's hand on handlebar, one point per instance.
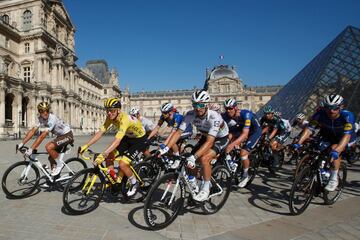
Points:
(191, 161)
(28, 152)
(99, 159)
(296, 146)
(83, 148)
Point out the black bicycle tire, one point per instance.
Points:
(342, 182)
(73, 159)
(153, 226)
(6, 173)
(68, 188)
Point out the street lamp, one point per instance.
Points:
(20, 116)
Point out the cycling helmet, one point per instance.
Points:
(134, 111)
(112, 103)
(268, 109)
(166, 107)
(278, 114)
(300, 116)
(230, 102)
(333, 100)
(43, 106)
(200, 96)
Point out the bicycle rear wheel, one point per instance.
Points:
(302, 191)
(220, 190)
(20, 180)
(84, 191)
(147, 175)
(331, 197)
(304, 161)
(72, 166)
(164, 201)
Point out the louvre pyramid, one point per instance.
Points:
(335, 70)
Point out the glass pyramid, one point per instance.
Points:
(335, 70)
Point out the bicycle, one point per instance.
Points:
(310, 181)
(85, 190)
(23, 177)
(166, 198)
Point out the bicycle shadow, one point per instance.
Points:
(352, 188)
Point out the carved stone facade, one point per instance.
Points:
(37, 63)
(222, 82)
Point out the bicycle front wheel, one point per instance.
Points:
(20, 180)
(164, 201)
(302, 191)
(84, 191)
(219, 191)
(72, 166)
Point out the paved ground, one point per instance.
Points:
(260, 212)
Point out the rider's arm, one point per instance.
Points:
(205, 147)
(95, 138)
(154, 131)
(244, 134)
(39, 139)
(273, 133)
(112, 147)
(305, 135)
(173, 131)
(343, 142)
(174, 138)
(29, 135)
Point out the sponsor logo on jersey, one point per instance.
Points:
(247, 122)
(348, 126)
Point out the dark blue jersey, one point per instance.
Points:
(246, 119)
(333, 129)
(174, 122)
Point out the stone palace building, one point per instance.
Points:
(37, 63)
(222, 82)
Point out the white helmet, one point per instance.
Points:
(230, 102)
(333, 100)
(134, 111)
(166, 107)
(200, 96)
(300, 116)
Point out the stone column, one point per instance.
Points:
(2, 106)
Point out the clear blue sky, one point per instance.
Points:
(168, 44)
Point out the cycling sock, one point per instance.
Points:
(176, 153)
(206, 186)
(334, 174)
(245, 173)
(132, 179)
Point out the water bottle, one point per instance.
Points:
(233, 165)
(112, 173)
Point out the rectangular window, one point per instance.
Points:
(27, 47)
(26, 74)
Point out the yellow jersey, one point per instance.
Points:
(126, 125)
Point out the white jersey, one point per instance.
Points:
(53, 125)
(212, 123)
(147, 124)
(303, 125)
(287, 125)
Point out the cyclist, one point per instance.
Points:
(129, 142)
(270, 127)
(48, 122)
(173, 120)
(147, 123)
(336, 128)
(300, 121)
(213, 141)
(244, 127)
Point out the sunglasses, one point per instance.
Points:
(111, 110)
(229, 108)
(332, 108)
(199, 105)
(41, 111)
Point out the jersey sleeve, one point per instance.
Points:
(247, 119)
(51, 123)
(349, 125)
(314, 121)
(216, 123)
(123, 126)
(185, 122)
(161, 121)
(177, 121)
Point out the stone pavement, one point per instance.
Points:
(260, 212)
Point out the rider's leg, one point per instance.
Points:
(53, 154)
(175, 149)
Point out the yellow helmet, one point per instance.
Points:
(112, 103)
(43, 106)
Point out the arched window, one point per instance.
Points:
(5, 18)
(27, 20)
